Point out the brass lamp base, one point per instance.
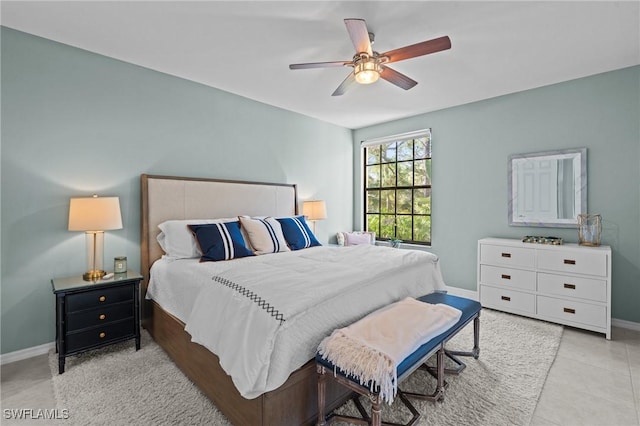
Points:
(93, 275)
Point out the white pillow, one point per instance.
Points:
(356, 237)
(177, 240)
(265, 234)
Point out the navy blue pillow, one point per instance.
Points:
(220, 241)
(297, 233)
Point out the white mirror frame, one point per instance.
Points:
(516, 193)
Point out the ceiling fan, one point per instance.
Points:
(368, 65)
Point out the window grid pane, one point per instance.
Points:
(398, 189)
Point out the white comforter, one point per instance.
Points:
(264, 316)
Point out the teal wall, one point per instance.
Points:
(471, 144)
(76, 123)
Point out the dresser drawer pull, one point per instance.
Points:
(570, 286)
(506, 277)
(507, 298)
(102, 335)
(102, 316)
(102, 298)
(569, 262)
(506, 254)
(570, 311)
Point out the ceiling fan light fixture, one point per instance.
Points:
(367, 70)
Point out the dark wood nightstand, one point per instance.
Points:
(92, 314)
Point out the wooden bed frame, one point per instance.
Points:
(167, 197)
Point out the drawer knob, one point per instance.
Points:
(102, 316)
(569, 262)
(506, 277)
(102, 298)
(506, 298)
(570, 286)
(102, 335)
(506, 254)
(570, 311)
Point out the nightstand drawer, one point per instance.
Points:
(102, 315)
(94, 298)
(98, 335)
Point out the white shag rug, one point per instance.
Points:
(119, 386)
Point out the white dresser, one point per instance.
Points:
(567, 284)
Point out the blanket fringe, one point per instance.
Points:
(361, 361)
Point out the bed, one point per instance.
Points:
(281, 397)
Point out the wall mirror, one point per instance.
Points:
(548, 188)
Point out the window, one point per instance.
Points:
(397, 187)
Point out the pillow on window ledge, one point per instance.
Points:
(355, 238)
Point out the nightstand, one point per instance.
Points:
(92, 314)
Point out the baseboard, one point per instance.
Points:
(625, 324)
(26, 353)
(461, 292)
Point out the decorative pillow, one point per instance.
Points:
(355, 238)
(265, 234)
(220, 241)
(297, 233)
(177, 240)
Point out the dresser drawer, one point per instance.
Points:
(577, 262)
(507, 256)
(100, 297)
(101, 315)
(573, 287)
(98, 335)
(507, 300)
(507, 277)
(572, 311)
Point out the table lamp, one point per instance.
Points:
(94, 215)
(314, 210)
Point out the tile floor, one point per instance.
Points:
(593, 382)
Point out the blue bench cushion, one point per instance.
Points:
(469, 308)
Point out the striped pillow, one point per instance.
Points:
(297, 233)
(265, 234)
(220, 241)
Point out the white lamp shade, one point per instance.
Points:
(314, 209)
(94, 214)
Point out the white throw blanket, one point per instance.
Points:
(372, 348)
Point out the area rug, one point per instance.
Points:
(119, 386)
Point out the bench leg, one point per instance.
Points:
(376, 410)
(475, 352)
(437, 372)
(322, 388)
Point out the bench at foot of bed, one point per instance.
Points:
(436, 346)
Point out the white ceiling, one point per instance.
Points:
(245, 47)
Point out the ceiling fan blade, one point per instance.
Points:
(418, 49)
(320, 65)
(344, 86)
(399, 79)
(359, 35)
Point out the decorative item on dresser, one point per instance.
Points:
(567, 284)
(90, 315)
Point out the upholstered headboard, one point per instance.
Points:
(170, 197)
